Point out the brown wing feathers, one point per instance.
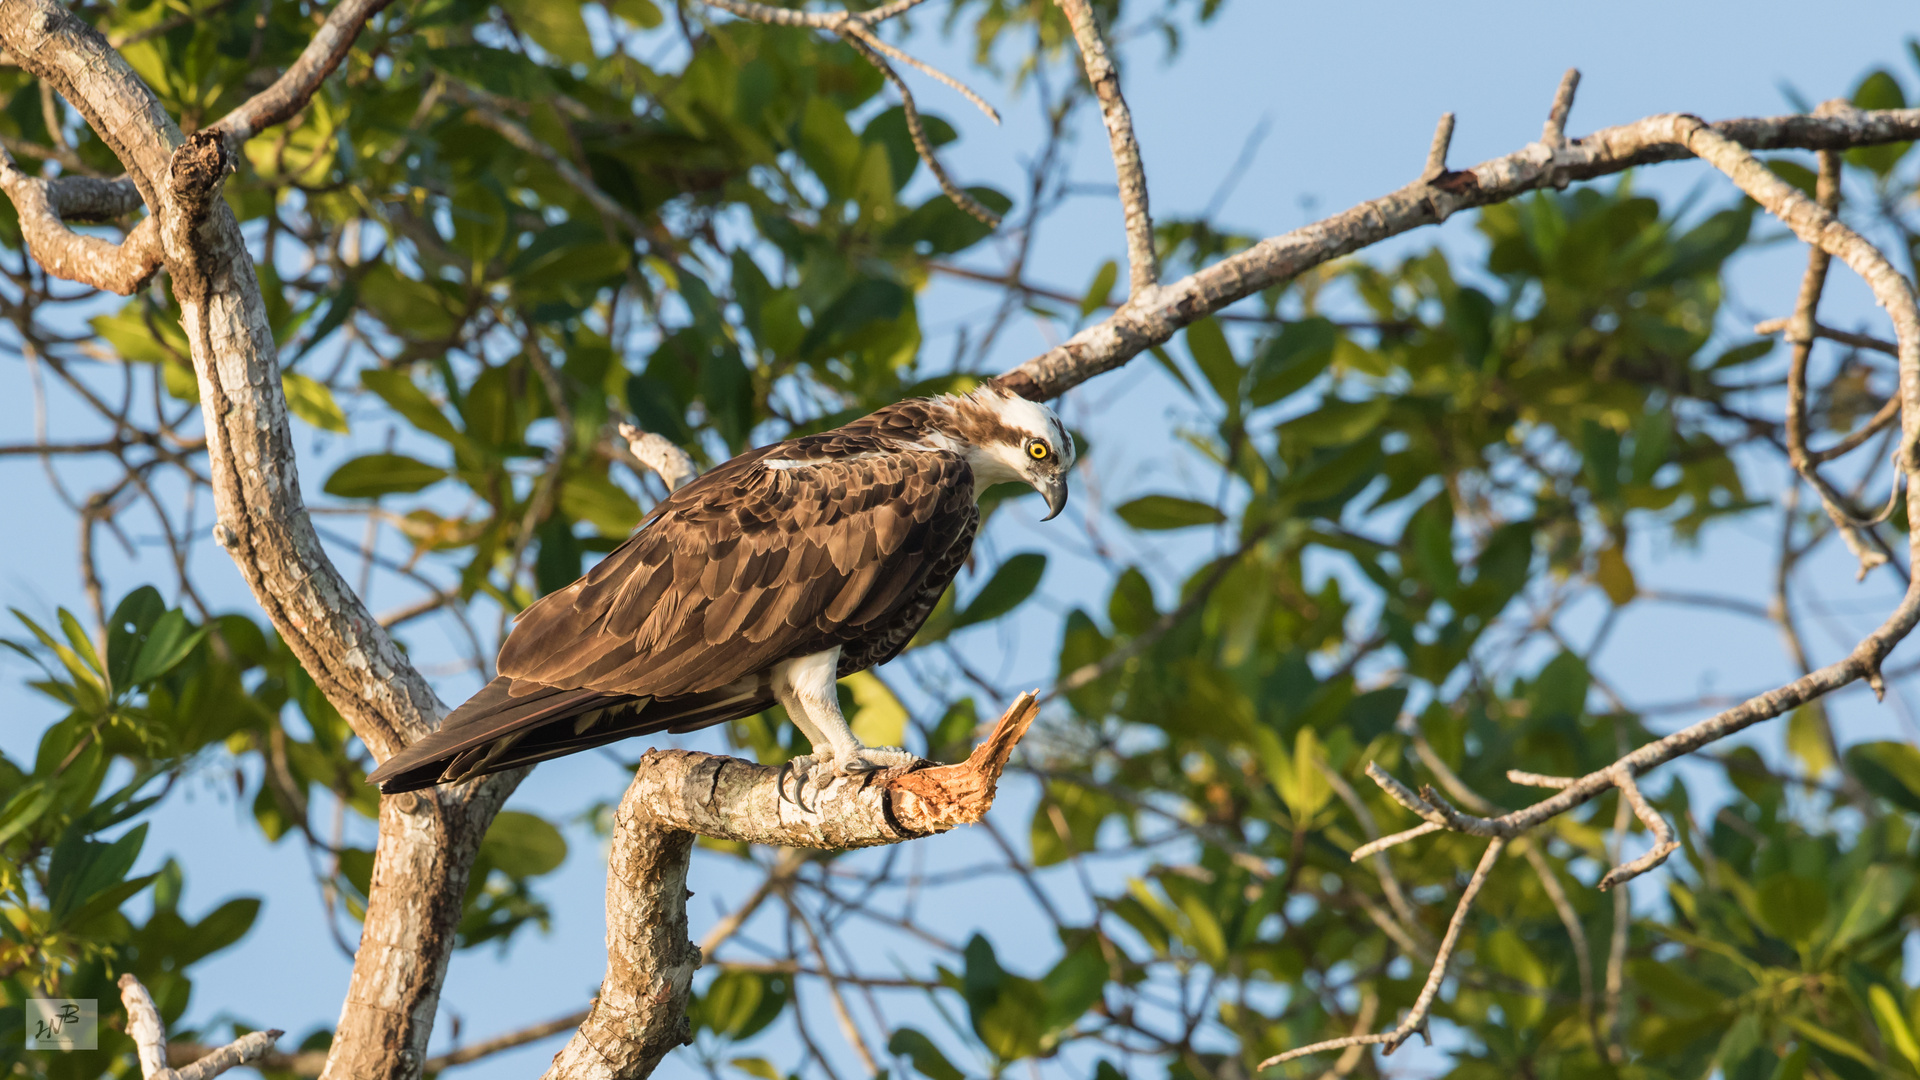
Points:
(743, 568)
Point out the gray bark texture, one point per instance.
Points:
(428, 840)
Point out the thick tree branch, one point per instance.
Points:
(427, 840)
(1136, 327)
(43, 205)
(640, 1013)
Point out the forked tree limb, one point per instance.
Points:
(641, 1011)
(856, 29)
(149, 1037)
(89, 260)
(427, 840)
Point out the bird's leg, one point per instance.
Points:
(807, 688)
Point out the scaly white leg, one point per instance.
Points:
(806, 687)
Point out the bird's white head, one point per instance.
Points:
(1006, 438)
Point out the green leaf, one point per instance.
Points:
(26, 806)
(1211, 353)
(522, 845)
(878, 717)
(1879, 90)
(1295, 357)
(1101, 290)
(167, 643)
(1077, 983)
(1739, 355)
(1807, 739)
(81, 869)
(310, 400)
(556, 25)
(397, 389)
(1796, 174)
(866, 301)
(1893, 1024)
(1831, 1041)
(127, 631)
(1168, 512)
(373, 475)
(938, 227)
(1309, 789)
(927, 1059)
(737, 1004)
(1012, 582)
(1793, 907)
(595, 499)
(1890, 770)
(1615, 576)
(641, 13)
(222, 927)
(1335, 423)
(1879, 895)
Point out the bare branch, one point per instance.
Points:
(863, 43)
(101, 264)
(1143, 264)
(1576, 934)
(150, 1041)
(1415, 1022)
(427, 840)
(1350, 1057)
(648, 452)
(1136, 327)
(1858, 341)
(1437, 153)
(1554, 133)
(1382, 867)
(1664, 844)
(291, 91)
(1800, 333)
(856, 29)
(1395, 839)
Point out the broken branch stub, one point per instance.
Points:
(641, 1011)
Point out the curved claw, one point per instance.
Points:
(802, 770)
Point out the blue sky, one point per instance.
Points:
(1348, 95)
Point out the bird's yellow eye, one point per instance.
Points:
(1038, 450)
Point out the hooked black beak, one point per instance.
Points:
(1055, 492)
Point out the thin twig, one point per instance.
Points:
(1143, 263)
(1416, 1018)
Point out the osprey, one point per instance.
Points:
(766, 580)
